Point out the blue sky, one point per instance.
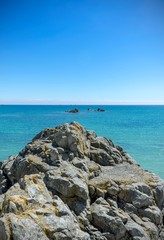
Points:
(90, 51)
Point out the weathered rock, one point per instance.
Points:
(159, 195)
(112, 189)
(107, 219)
(4, 183)
(33, 213)
(153, 213)
(31, 164)
(132, 195)
(104, 152)
(136, 231)
(67, 183)
(151, 229)
(101, 157)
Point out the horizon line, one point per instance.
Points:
(82, 104)
(77, 102)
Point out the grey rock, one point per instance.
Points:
(92, 190)
(108, 220)
(4, 228)
(113, 189)
(130, 208)
(94, 169)
(159, 195)
(162, 235)
(152, 229)
(102, 143)
(101, 157)
(142, 187)
(104, 152)
(112, 202)
(4, 184)
(91, 134)
(153, 213)
(136, 231)
(31, 164)
(81, 164)
(36, 214)
(139, 199)
(67, 183)
(69, 137)
(100, 193)
(25, 228)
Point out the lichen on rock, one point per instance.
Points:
(67, 183)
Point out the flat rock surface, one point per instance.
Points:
(126, 173)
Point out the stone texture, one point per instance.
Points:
(107, 219)
(136, 231)
(67, 183)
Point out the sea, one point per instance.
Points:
(138, 129)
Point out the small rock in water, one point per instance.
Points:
(73, 110)
(100, 110)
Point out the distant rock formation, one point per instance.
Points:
(73, 110)
(97, 110)
(100, 110)
(67, 183)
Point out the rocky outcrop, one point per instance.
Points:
(73, 110)
(67, 183)
(100, 110)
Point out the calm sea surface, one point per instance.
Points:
(138, 129)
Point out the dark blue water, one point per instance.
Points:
(139, 129)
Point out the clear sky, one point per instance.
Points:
(86, 51)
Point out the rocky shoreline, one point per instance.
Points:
(67, 183)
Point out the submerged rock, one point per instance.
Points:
(67, 183)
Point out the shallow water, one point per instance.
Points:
(138, 129)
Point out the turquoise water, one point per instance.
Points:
(139, 129)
